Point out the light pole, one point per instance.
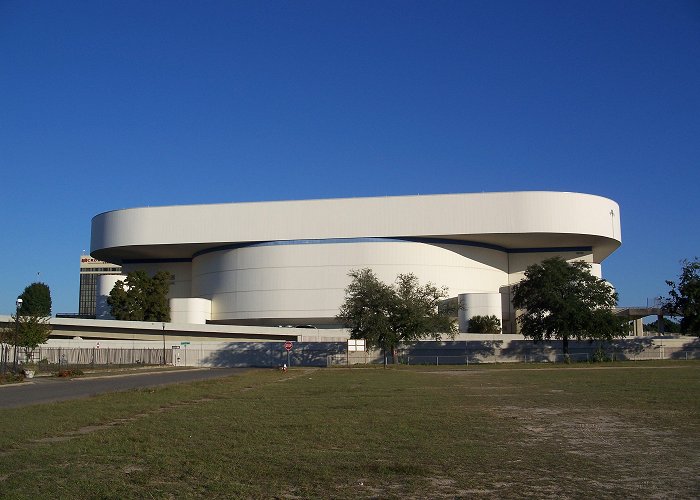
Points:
(163, 344)
(14, 359)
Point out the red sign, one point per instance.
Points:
(288, 345)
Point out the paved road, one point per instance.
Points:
(51, 389)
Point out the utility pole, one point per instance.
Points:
(14, 359)
(164, 344)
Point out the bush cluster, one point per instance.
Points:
(11, 378)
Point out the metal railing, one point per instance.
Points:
(57, 358)
(527, 357)
(47, 359)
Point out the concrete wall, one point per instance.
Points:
(477, 349)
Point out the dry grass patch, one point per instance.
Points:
(369, 433)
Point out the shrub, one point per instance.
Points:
(600, 356)
(484, 324)
(11, 378)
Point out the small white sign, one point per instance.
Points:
(356, 345)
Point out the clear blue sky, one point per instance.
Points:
(115, 104)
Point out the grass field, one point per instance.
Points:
(623, 430)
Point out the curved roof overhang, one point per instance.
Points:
(513, 222)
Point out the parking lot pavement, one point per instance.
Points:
(51, 389)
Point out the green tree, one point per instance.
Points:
(669, 326)
(386, 315)
(140, 297)
(565, 301)
(36, 300)
(5, 338)
(417, 313)
(484, 324)
(33, 331)
(684, 297)
(367, 309)
(33, 327)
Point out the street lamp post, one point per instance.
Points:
(163, 344)
(3, 361)
(14, 359)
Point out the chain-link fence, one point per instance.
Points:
(46, 359)
(271, 354)
(552, 357)
(535, 356)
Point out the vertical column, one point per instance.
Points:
(478, 304)
(660, 324)
(638, 327)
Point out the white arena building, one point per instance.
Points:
(287, 262)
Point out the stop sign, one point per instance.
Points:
(288, 345)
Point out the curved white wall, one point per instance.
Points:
(192, 311)
(289, 261)
(308, 280)
(511, 220)
(479, 304)
(105, 283)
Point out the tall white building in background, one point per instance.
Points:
(287, 262)
(91, 270)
